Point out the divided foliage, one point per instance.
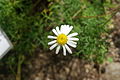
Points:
(91, 45)
(24, 30)
(28, 32)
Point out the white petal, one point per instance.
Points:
(58, 31)
(72, 45)
(53, 46)
(73, 39)
(55, 32)
(52, 42)
(52, 37)
(68, 49)
(65, 29)
(68, 31)
(57, 49)
(62, 28)
(72, 42)
(67, 26)
(64, 50)
(73, 34)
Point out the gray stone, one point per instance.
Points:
(113, 71)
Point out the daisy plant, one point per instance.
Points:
(63, 39)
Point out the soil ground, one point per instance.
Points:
(48, 66)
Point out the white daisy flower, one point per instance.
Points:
(62, 39)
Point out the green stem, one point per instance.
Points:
(20, 61)
(11, 68)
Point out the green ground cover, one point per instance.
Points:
(29, 31)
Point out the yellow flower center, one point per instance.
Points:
(62, 39)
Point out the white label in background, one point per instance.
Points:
(5, 44)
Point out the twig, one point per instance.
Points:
(102, 15)
(76, 14)
(113, 14)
